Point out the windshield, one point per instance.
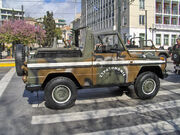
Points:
(108, 43)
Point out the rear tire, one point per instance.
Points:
(147, 85)
(60, 93)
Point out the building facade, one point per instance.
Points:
(60, 23)
(76, 23)
(163, 20)
(7, 13)
(128, 17)
(99, 15)
(167, 22)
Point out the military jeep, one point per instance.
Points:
(105, 61)
(138, 45)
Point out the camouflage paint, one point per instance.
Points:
(93, 75)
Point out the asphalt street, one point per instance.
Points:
(97, 111)
(3, 71)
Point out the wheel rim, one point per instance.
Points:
(61, 94)
(149, 86)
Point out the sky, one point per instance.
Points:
(37, 8)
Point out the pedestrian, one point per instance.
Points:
(175, 48)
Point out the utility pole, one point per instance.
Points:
(13, 15)
(75, 1)
(22, 8)
(146, 26)
(119, 17)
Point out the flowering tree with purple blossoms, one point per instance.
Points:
(18, 31)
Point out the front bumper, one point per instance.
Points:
(31, 87)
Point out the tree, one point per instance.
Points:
(18, 31)
(49, 25)
(58, 33)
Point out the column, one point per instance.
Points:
(178, 12)
(162, 39)
(162, 11)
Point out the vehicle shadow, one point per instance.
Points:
(173, 77)
(34, 97)
(84, 94)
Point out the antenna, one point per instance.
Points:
(22, 8)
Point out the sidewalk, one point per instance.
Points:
(7, 62)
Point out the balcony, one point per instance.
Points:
(167, 27)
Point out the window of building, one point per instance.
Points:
(174, 21)
(4, 17)
(158, 39)
(159, 19)
(166, 20)
(173, 40)
(175, 8)
(166, 39)
(142, 35)
(3, 11)
(167, 8)
(142, 4)
(9, 12)
(158, 7)
(141, 19)
(125, 5)
(125, 20)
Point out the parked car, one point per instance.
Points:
(137, 44)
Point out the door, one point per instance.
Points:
(109, 67)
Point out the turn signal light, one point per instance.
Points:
(162, 58)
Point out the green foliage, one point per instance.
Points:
(50, 26)
(58, 33)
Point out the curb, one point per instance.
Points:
(7, 64)
(7, 59)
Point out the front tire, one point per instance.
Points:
(147, 85)
(60, 93)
